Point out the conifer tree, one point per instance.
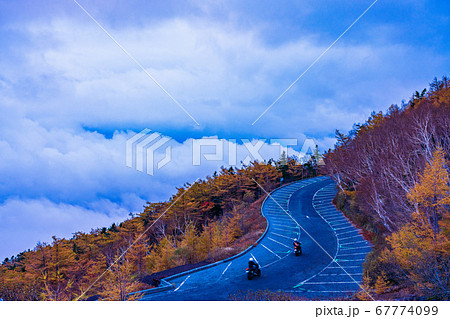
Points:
(120, 281)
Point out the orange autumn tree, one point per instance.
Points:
(120, 280)
(421, 248)
(52, 268)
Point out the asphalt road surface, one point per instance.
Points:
(330, 266)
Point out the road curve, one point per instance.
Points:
(331, 264)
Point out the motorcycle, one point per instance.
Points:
(298, 250)
(253, 273)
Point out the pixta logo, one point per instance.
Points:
(141, 150)
(226, 151)
(144, 151)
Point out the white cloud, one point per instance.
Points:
(58, 181)
(220, 73)
(24, 223)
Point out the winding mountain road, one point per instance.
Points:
(331, 264)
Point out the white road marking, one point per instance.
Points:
(345, 222)
(330, 282)
(333, 291)
(347, 227)
(278, 220)
(336, 219)
(256, 260)
(326, 217)
(337, 267)
(359, 247)
(355, 242)
(326, 211)
(292, 231)
(327, 200)
(281, 219)
(348, 232)
(353, 254)
(279, 225)
(226, 268)
(330, 213)
(281, 235)
(349, 237)
(323, 200)
(278, 242)
(271, 251)
(182, 283)
(339, 274)
(324, 206)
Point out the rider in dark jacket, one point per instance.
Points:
(252, 264)
(297, 244)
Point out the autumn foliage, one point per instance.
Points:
(393, 175)
(206, 221)
(421, 248)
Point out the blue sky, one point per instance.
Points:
(70, 97)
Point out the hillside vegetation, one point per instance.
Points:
(204, 222)
(393, 176)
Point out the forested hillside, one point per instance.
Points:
(393, 176)
(210, 220)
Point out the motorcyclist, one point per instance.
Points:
(297, 244)
(252, 264)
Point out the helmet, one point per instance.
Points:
(250, 259)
